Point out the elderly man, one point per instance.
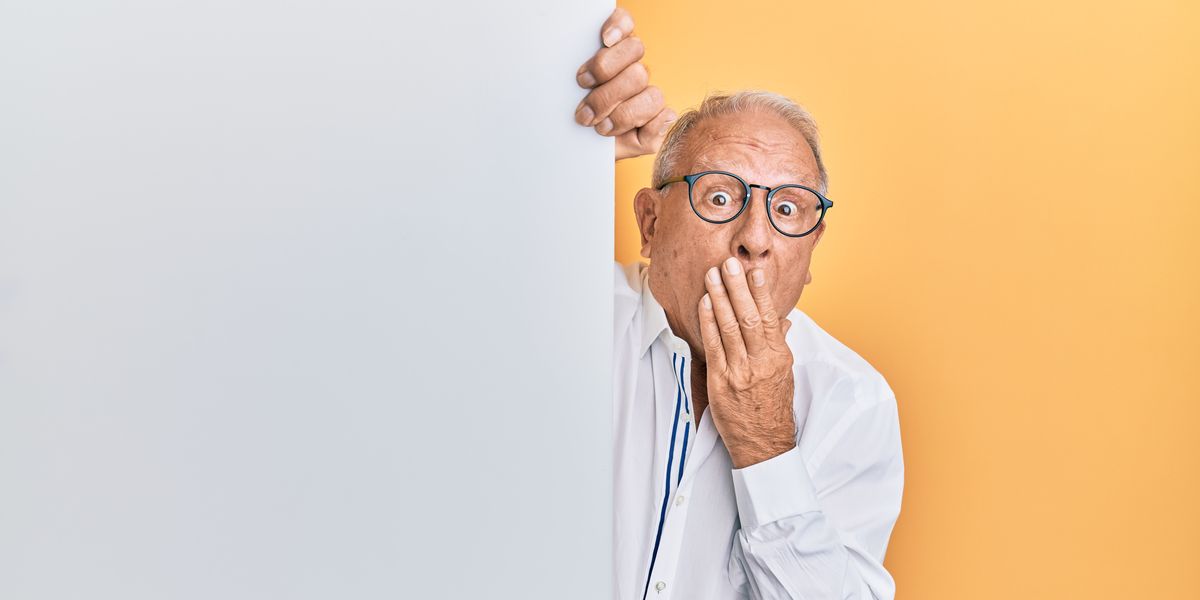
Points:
(755, 455)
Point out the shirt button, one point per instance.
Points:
(679, 500)
(660, 586)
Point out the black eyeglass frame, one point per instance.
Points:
(826, 203)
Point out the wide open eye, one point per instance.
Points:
(795, 210)
(786, 209)
(720, 199)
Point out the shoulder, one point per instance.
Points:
(627, 281)
(627, 295)
(812, 345)
(840, 386)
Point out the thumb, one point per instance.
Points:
(648, 138)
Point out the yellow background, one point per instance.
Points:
(1015, 245)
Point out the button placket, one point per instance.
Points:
(672, 543)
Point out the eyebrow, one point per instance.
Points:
(732, 166)
(738, 167)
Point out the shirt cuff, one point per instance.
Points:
(773, 489)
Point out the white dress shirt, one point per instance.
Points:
(811, 523)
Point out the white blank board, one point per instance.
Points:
(302, 300)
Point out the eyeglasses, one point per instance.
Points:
(720, 197)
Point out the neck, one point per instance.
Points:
(699, 388)
(669, 305)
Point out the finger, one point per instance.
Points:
(731, 331)
(744, 307)
(761, 290)
(710, 337)
(617, 27)
(635, 112)
(787, 325)
(608, 62)
(603, 99)
(648, 138)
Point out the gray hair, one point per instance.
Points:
(719, 104)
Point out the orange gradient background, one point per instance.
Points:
(1015, 245)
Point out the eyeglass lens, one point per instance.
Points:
(718, 197)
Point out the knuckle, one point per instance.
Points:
(730, 327)
(602, 65)
(750, 321)
(639, 74)
(770, 316)
(654, 97)
(636, 48)
(648, 104)
(601, 100)
(740, 380)
(633, 111)
(622, 114)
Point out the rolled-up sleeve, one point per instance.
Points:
(821, 531)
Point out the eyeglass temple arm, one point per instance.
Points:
(670, 181)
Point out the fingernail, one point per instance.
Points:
(714, 276)
(584, 114)
(612, 36)
(757, 276)
(707, 301)
(733, 266)
(586, 80)
(605, 126)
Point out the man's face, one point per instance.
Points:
(762, 149)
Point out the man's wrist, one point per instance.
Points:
(750, 453)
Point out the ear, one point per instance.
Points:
(645, 210)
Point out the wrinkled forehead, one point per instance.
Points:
(761, 148)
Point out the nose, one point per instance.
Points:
(752, 240)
